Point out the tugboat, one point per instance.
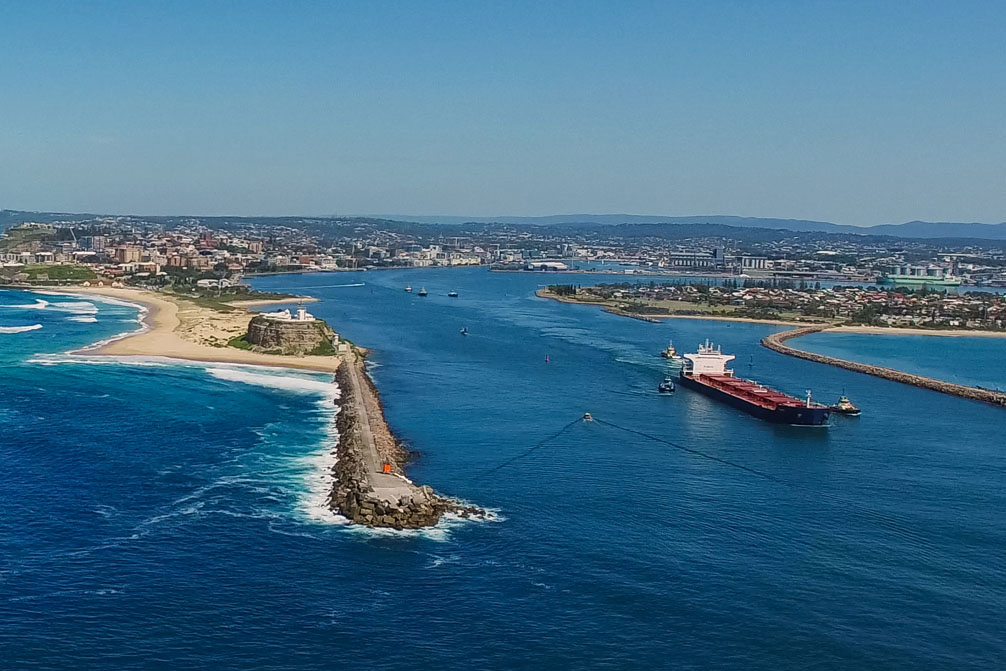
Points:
(706, 372)
(452, 294)
(408, 289)
(670, 352)
(846, 407)
(422, 292)
(666, 387)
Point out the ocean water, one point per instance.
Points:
(157, 515)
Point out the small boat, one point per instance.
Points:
(422, 292)
(845, 407)
(670, 352)
(452, 294)
(408, 289)
(666, 387)
(464, 330)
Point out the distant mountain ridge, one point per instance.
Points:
(911, 229)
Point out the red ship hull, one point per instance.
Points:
(757, 400)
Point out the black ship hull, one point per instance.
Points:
(800, 416)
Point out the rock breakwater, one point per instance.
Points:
(776, 342)
(370, 486)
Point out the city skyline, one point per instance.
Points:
(854, 115)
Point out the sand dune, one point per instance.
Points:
(179, 329)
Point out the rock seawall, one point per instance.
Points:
(363, 491)
(776, 341)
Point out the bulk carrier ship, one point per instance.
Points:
(706, 372)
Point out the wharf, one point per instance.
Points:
(776, 342)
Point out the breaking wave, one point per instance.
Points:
(39, 304)
(281, 382)
(75, 307)
(19, 329)
(57, 359)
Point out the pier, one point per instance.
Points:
(370, 486)
(776, 342)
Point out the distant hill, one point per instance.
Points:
(912, 229)
(616, 219)
(929, 229)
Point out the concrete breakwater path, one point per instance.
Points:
(370, 486)
(776, 342)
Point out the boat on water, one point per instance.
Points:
(672, 355)
(666, 387)
(452, 294)
(408, 289)
(464, 330)
(706, 371)
(422, 292)
(846, 407)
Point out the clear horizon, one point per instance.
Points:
(859, 115)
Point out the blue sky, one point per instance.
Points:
(853, 112)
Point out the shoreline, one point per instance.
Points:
(824, 328)
(160, 338)
(902, 330)
(657, 318)
(369, 485)
(256, 302)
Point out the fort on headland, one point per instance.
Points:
(295, 333)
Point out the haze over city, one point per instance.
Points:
(851, 113)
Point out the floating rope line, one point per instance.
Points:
(900, 526)
(904, 527)
(698, 453)
(536, 446)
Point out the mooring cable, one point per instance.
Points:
(536, 446)
(901, 526)
(690, 450)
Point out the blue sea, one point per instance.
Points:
(155, 514)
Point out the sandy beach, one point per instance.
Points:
(178, 329)
(883, 330)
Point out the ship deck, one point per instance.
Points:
(751, 391)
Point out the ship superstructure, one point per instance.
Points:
(706, 371)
